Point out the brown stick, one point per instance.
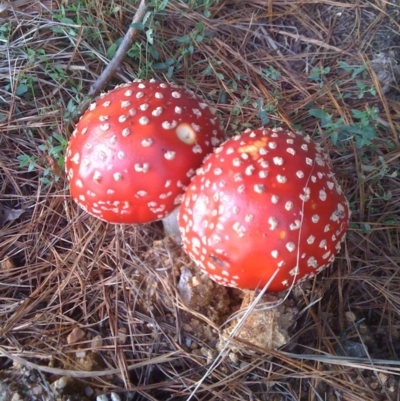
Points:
(126, 43)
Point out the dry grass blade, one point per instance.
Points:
(82, 374)
(104, 304)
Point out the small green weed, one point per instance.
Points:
(317, 74)
(270, 73)
(357, 71)
(211, 70)
(364, 90)
(378, 171)
(202, 5)
(363, 131)
(168, 58)
(50, 163)
(265, 110)
(5, 31)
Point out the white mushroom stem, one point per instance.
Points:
(171, 225)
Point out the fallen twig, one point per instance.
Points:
(120, 53)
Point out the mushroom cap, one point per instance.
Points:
(136, 148)
(264, 206)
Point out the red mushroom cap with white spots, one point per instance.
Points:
(264, 205)
(136, 148)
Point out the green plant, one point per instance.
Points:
(317, 74)
(146, 53)
(5, 30)
(379, 171)
(363, 130)
(210, 69)
(270, 73)
(202, 5)
(244, 101)
(355, 70)
(27, 161)
(262, 111)
(191, 40)
(51, 161)
(364, 90)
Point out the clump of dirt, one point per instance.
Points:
(203, 304)
(268, 323)
(20, 383)
(207, 306)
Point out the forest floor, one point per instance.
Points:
(89, 309)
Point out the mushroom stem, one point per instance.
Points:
(170, 224)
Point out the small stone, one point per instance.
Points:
(61, 382)
(350, 317)
(363, 328)
(88, 391)
(115, 397)
(37, 390)
(374, 385)
(122, 335)
(209, 354)
(7, 264)
(80, 354)
(76, 335)
(233, 357)
(101, 397)
(16, 397)
(383, 378)
(96, 343)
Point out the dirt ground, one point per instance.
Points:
(95, 311)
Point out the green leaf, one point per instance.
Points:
(23, 160)
(154, 53)
(138, 26)
(183, 39)
(60, 138)
(344, 66)
(367, 168)
(149, 36)
(318, 113)
(111, 51)
(159, 66)
(67, 21)
(162, 5)
(21, 89)
(334, 138)
(367, 227)
(146, 17)
(170, 61)
(208, 70)
(360, 115)
(360, 85)
(170, 72)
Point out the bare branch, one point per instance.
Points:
(121, 52)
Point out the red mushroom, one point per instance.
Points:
(136, 148)
(264, 208)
